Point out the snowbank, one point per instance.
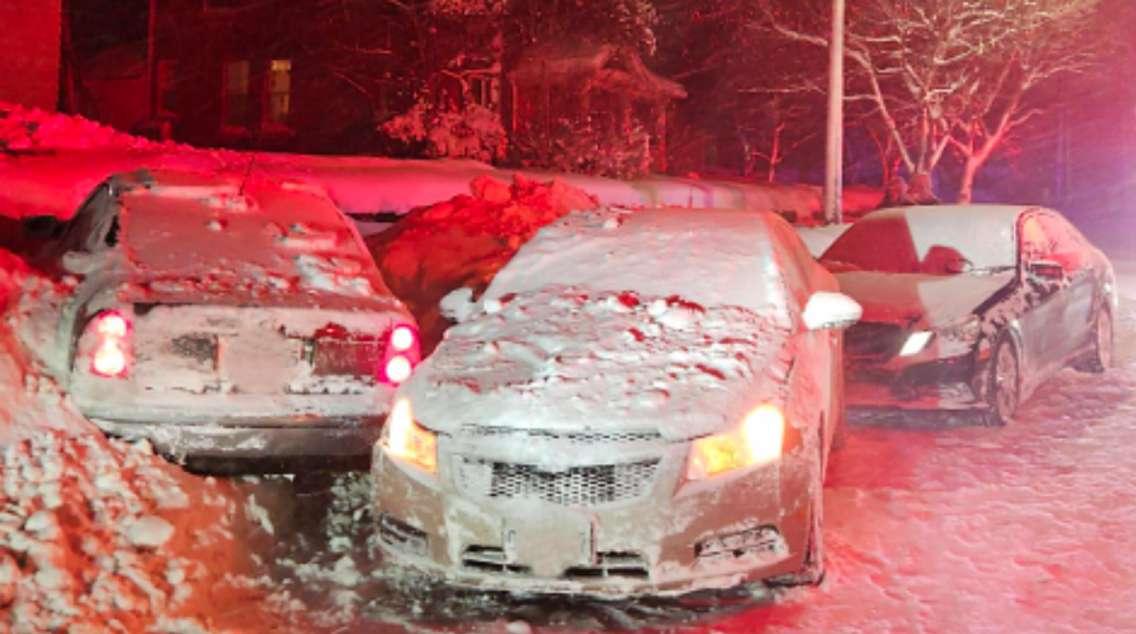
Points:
(463, 242)
(50, 162)
(97, 532)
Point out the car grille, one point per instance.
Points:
(576, 486)
(872, 341)
(574, 437)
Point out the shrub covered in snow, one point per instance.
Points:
(474, 132)
(464, 241)
(583, 147)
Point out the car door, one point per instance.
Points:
(1043, 314)
(1072, 252)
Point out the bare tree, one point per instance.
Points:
(959, 75)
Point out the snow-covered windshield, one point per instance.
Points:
(931, 241)
(709, 257)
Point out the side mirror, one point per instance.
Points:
(79, 263)
(1046, 270)
(42, 227)
(826, 309)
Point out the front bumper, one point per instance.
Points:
(954, 383)
(265, 445)
(673, 538)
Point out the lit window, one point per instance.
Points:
(235, 105)
(279, 91)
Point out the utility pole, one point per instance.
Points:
(834, 150)
(151, 62)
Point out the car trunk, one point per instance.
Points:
(252, 364)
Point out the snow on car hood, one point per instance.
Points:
(925, 300)
(561, 359)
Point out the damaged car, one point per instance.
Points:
(640, 402)
(234, 322)
(969, 308)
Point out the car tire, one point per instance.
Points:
(1005, 388)
(1100, 357)
(812, 567)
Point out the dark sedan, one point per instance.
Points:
(969, 307)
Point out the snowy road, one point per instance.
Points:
(1027, 528)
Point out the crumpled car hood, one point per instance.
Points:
(928, 301)
(566, 360)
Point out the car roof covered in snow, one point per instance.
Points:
(984, 234)
(712, 257)
(187, 224)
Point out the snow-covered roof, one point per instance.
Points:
(605, 66)
(710, 257)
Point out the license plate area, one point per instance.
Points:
(335, 352)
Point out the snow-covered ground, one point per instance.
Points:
(1020, 529)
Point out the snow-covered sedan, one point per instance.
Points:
(222, 318)
(639, 403)
(969, 308)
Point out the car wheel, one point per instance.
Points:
(1100, 358)
(1005, 383)
(812, 568)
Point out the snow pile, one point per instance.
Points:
(31, 130)
(464, 241)
(97, 531)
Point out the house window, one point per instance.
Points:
(235, 103)
(167, 85)
(279, 91)
(485, 91)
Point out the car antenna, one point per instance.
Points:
(248, 171)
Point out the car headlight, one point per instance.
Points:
(757, 441)
(966, 330)
(915, 343)
(405, 439)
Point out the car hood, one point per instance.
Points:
(566, 360)
(913, 300)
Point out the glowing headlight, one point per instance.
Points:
(757, 441)
(407, 440)
(915, 343)
(967, 330)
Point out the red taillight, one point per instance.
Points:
(111, 355)
(398, 369)
(403, 338)
(402, 354)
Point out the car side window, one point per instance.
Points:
(1067, 248)
(1035, 242)
(94, 227)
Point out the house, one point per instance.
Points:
(607, 85)
(29, 65)
(253, 74)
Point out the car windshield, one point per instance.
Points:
(710, 258)
(922, 244)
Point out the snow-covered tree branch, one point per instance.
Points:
(957, 75)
